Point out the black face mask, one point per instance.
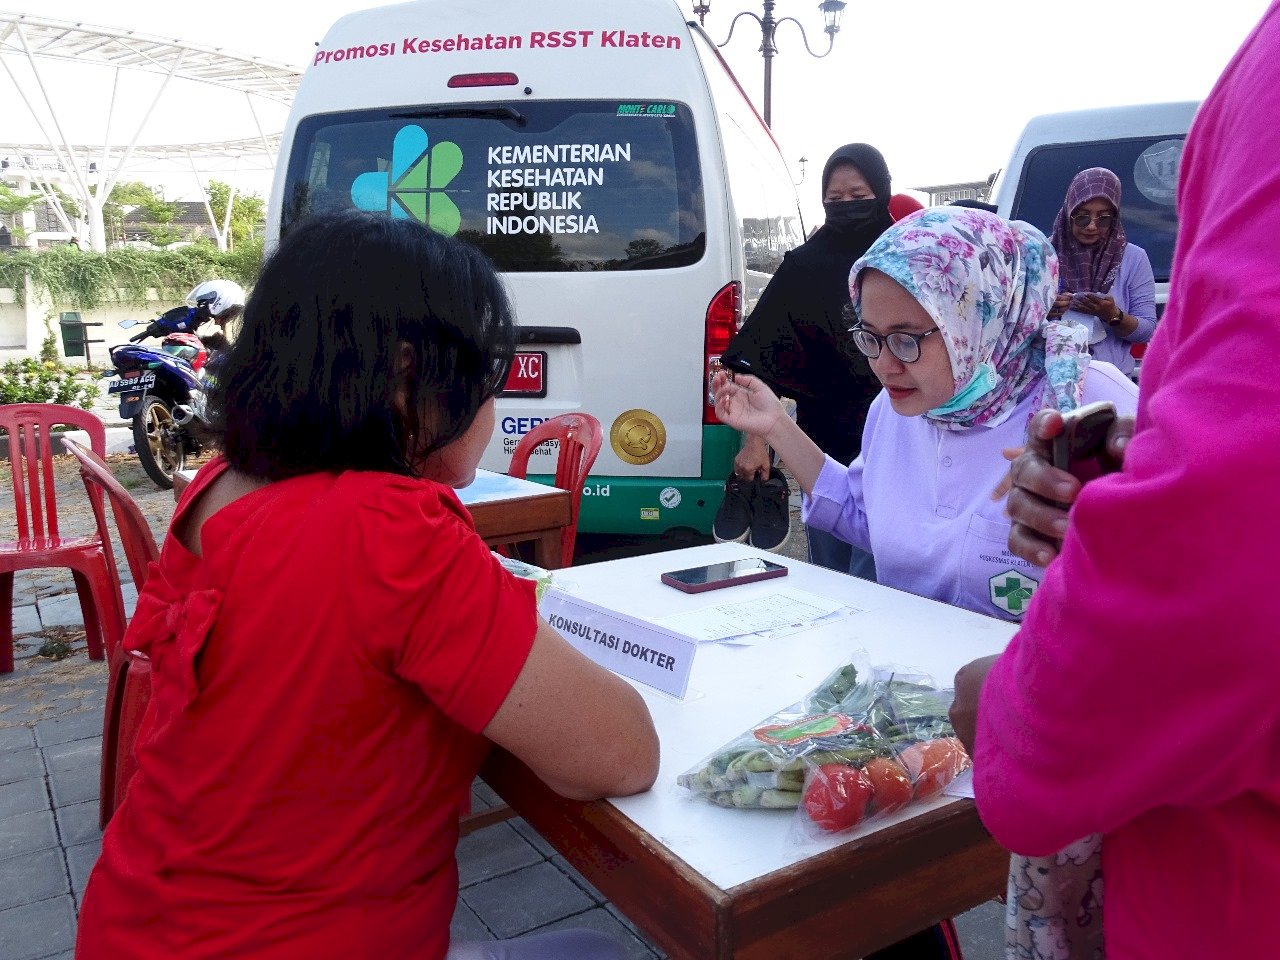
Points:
(850, 214)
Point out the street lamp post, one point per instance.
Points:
(831, 13)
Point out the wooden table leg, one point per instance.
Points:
(547, 550)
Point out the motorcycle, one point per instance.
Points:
(162, 392)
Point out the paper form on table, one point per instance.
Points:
(780, 610)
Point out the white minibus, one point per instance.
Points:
(606, 160)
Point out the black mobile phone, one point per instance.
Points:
(736, 365)
(716, 575)
(1081, 448)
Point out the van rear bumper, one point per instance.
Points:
(655, 505)
(649, 505)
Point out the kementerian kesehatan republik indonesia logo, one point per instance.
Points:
(414, 187)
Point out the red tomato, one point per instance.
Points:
(933, 764)
(890, 785)
(836, 797)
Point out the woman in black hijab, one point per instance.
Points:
(796, 338)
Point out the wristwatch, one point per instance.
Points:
(1116, 319)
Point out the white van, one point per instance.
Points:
(1141, 144)
(607, 161)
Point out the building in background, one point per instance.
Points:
(948, 192)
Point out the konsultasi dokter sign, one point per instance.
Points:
(628, 646)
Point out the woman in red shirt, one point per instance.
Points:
(334, 648)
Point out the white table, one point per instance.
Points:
(706, 881)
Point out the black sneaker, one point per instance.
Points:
(771, 512)
(733, 519)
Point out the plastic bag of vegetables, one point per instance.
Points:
(541, 578)
(865, 742)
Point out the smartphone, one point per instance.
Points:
(1078, 297)
(716, 575)
(1081, 448)
(736, 365)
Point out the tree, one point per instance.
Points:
(13, 205)
(247, 211)
(133, 193)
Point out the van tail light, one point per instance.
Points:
(483, 80)
(724, 314)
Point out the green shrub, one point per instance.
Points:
(43, 381)
(49, 348)
(84, 280)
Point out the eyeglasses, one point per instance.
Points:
(904, 346)
(1081, 221)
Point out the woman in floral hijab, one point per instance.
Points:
(950, 306)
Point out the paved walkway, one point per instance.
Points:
(512, 882)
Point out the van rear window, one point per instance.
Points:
(1148, 172)
(552, 186)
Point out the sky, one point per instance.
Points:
(942, 88)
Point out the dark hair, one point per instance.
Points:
(974, 204)
(364, 337)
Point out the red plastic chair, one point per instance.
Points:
(39, 543)
(580, 436)
(129, 681)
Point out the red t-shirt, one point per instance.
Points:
(321, 678)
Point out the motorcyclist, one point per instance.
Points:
(221, 301)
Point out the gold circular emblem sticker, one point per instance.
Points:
(638, 436)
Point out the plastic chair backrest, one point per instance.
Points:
(29, 426)
(579, 436)
(135, 533)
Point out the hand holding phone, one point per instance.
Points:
(1081, 448)
(716, 575)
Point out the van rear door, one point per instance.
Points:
(1148, 171)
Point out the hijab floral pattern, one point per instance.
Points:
(988, 284)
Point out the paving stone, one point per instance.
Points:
(31, 877)
(24, 648)
(62, 610)
(491, 852)
(466, 926)
(78, 823)
(23, 797)
(16, 738)
(38, 929)
(77, 726)
(27, 833)
(522, 901)
(130, 594)
(73, 754)
(602, 921)
(981, 931)
(39, 665)
(578, 878)
(80, 861)
(623, 919)
(20, 765)
(25, 620)
(485, 792)
(522, 827)
(73, 786)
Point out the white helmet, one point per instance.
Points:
(219, 296)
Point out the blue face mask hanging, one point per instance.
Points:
(980, 384)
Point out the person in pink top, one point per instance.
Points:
(1139, 698)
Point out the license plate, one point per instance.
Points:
(147, 379)
(528, 376)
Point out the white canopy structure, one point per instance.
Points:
(39, 41)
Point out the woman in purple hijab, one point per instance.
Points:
(1105, 282)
